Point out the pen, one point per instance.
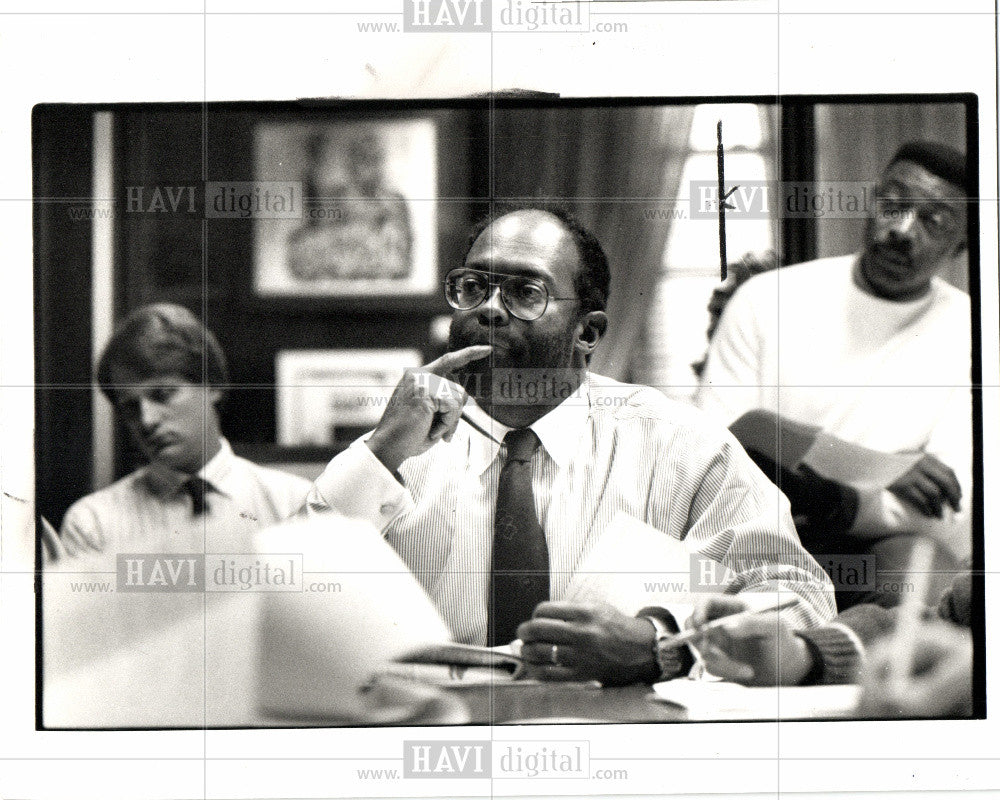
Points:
(908, 621)
(480, 428)
(693, 633)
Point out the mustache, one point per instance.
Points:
(466, 337)
(893, 252)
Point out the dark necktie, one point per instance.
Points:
(519, 575)
(197, 488)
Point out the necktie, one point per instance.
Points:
(197, 488)
(519, 575)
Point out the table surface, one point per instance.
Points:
(552, 702)
(165, 660)
(162, 660)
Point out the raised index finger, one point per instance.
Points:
(449, 362)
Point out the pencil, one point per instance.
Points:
(910, 612)
(684, 637)
(477, 427)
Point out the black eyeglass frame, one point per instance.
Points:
(889, 202)
(498, 279)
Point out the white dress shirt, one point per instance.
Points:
(149, 510)
(611, 448)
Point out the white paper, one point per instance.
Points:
(608, 574)
(722, 700)
(318, 648)
(854, 465)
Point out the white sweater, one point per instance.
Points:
(807, 343)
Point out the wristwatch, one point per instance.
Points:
(670, 660)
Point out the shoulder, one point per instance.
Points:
(951, 300)
(785, 291)
(275, 479)
(626, 403)
(89, 510)
(763, 295)
(808, 275)
(629, 399)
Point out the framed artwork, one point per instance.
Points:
(368, 200)
(320, 392)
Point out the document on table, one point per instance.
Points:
(723, 700)
(632, 565)
(319, 650)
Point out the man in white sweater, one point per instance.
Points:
(875, 349)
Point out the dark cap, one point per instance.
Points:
(940, 159)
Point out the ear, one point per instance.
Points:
(590, 330)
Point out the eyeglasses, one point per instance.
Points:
(525, 298)
(937, 221)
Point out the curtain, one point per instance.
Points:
(618, 170)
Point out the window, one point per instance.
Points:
(675, 329)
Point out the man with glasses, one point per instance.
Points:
(496, 468)
(874, 349)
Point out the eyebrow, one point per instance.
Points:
(500, 267)
(907, 192)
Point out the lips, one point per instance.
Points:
(159, 443)
(892, 257)
(485, 339)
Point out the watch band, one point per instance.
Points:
(670, 660)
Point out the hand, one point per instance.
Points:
(759, 650)
(940, 684)
(927, 486)
(424, 408)
(956, 602)
(53, 549)
(71, 542)
(595, 642)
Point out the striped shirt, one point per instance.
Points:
(611, 448)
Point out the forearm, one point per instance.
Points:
(746, 542)
(357, 485)
(880, 513)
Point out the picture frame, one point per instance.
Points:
(323, 392)
(367, 202)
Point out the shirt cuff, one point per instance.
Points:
(837, 652)
(357, 485)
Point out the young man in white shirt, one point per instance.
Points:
(165, 375)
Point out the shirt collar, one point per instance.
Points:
(559, 430)
(218, 472)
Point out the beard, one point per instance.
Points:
(528, 355)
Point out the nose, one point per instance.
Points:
(492, 310)
(901, 225)
(149, 414)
